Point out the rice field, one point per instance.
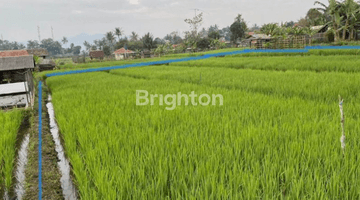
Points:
(10, 124)
(276, 136)
(340, 63)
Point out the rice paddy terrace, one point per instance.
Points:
(276, 135)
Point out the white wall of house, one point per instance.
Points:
(119, 56)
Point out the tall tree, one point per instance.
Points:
(314, 17)
(148, 41)
(192, 36)
(134, 37)
(238, 28)
(350, 9)
(195, 22)
(87, 45)
(110, 38)
(118, 32)
(332, 12)
(64, 40)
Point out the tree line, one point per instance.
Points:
(341, 17)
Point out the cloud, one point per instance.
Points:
(76, 11)
(134, 2)
(159, 17)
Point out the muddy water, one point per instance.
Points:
(67, 185)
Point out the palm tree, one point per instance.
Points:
(332, 12)
(110, 37)
(134, 36)
(269, 29)
(118, 32)
(64, 40)
(87, 45)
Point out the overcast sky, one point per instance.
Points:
(19, 18)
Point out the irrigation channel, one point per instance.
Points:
(69, 190)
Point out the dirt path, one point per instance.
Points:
(51, 187)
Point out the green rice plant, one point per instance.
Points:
(10, 123)
(258, 145)
(326, 85)
(341, 63)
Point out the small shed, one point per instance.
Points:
(16, 80)
(123, 53)
(146, 54)
(47, 64)
(99, 54)
(256, 40)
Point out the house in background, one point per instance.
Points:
(97, 54)
(16, 80)
(254, 40)
(122, 53)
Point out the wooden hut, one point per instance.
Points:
(16, 80)
(146, 54)
(97, 54)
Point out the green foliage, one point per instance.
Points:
(214, 35)
(10, 124)
(203, 43)
(107, 50)
(37, 59)
(238, 29)
(148, 41)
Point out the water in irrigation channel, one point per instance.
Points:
(67, 185)
(20, 170)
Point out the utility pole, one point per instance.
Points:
(52, 32)
(39, 34)
(195, 9)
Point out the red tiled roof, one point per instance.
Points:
(251, 33)
(13, 53)
(122, 51)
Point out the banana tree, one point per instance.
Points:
(332, 13)
(351, 10)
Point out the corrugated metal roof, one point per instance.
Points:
(11, 88)
(14, 63)
(13, 53)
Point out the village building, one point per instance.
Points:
(123, 53)
(254, 40)
(16, 80)
(96, 54)
(46, 62)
